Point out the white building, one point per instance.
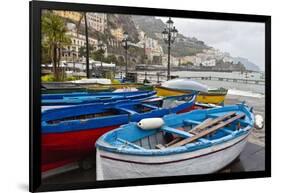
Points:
(76, 43)
(208, 57)
(209, 63)
(151, 46)
(97, 21)
(227, 59)
(198, 61)
(187, 59)
(173, 60)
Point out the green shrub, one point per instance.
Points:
(48, 78)
(115, 81)
(70, 78)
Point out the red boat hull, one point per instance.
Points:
(59, 149)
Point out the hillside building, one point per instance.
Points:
(97, 21)
(73, 15)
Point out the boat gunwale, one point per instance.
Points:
(191, 147)
(62, 96)
(179, 160)
(211, 93)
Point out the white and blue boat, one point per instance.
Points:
(197, 142)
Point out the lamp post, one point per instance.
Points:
(125, 42)
(102, 48)
(169, 35)
(87, 47)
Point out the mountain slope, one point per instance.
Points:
(248, 64)
(183, 46)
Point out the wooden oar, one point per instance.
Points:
(208, 131)
(201, 126)
(208, 123)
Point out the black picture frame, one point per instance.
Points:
(35, 82)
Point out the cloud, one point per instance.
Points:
(244, 39)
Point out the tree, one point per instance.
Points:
(83, 52)
(121, 60)
(98, 55)
(111, 59)
(45, 54)
(54, 38)
(187, 63)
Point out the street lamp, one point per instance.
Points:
(125, 42)
(169, 35)
(102, 48)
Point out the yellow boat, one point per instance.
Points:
(213, 96)
(164, 92)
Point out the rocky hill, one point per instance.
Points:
(125, 22)
(248, 64)
(184, 46)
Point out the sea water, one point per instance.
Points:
(234, 88)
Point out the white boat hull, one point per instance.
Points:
(209, 160)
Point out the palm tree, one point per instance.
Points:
(54, 38)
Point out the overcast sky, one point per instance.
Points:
(244, 39)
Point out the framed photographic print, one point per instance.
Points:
(125, 96)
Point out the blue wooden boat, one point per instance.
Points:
(84, 97)
(197, 142)
(69, 134)
(88, 94)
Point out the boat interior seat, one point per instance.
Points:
(191, 122)
(126, 110)
(150, 106)
(181, 133)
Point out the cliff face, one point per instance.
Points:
(183, 46)
(150, 25)
(125, 22)
(248, 65)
